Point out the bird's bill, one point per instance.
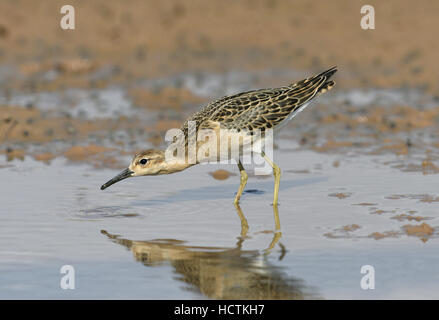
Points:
(123, 175)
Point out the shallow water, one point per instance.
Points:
(179, 236)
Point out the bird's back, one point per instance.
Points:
(264, 108)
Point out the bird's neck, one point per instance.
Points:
(172, 167)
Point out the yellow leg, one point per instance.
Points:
(276, 173)
(244, 224)
(244, 178)
(276, 218)
(277, 233)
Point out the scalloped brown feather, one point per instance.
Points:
(264, 108)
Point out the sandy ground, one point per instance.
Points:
(146, 38)
(130, 46)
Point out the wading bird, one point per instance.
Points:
(248, 112)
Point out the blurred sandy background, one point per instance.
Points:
(148, 38)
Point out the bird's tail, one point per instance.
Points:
(317, 84)
(327, 84)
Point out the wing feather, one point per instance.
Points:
(265, 108)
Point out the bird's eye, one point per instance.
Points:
(143, 161)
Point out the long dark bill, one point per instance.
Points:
(123, 175)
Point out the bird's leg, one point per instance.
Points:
(276, 218)
(244, 178)
(277, 234)
(276, 173)
(244, 224)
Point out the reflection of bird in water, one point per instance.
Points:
(243, 116)
(221, 273)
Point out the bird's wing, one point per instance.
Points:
(267, 108)
(209, 111)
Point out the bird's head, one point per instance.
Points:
(144, 163)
